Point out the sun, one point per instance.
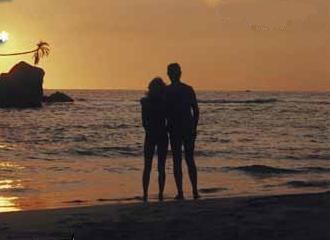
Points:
(4, 37)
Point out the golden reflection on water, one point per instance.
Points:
(6, 184)
(9, 184)
(10, 165)
(7, 204)
(4, 146)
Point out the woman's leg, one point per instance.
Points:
(162, 149)
(149, 149)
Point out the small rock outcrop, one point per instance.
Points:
(57, 97)
(21, 87)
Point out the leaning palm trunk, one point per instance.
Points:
(41, 51)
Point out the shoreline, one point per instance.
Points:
(294, 216)
(212, 193)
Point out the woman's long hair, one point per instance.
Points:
(156, 88)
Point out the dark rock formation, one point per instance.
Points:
(22, 87)
(57, 97)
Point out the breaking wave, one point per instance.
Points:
(309, 184)
(263, 170)
(249, 101)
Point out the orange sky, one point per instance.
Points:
(221, 44)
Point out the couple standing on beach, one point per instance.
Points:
(170, 114)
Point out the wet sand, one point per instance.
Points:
(303, 216)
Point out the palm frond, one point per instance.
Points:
(43, 49)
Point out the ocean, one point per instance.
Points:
(91, 151)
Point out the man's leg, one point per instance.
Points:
(176, 146)
(189, 147)
(162, 149)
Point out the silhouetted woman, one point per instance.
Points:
(154, 123)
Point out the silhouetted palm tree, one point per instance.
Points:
(42, 50)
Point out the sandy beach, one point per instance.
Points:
(303, 216)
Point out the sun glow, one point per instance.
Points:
(213, 3)
(4, 37)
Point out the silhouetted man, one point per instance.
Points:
(183, 115)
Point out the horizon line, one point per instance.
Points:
(201, 90)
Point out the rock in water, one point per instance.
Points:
(57, 97)
(22, 87)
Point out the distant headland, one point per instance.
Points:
(22, 87)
